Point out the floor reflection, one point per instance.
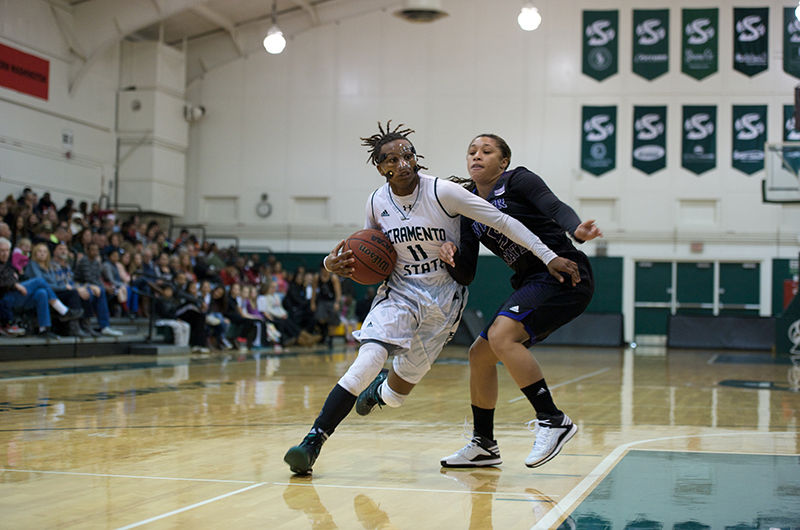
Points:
(301, 496)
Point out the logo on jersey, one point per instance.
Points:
(384, 214)
(501, 190)
(514, 309)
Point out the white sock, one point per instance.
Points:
(60, 308)
(389, 396)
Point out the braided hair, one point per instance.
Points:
(386, 135)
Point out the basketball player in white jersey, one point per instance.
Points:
(418, 308)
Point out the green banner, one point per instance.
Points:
(600, 44)
(791, 42)
(700, 44)
(749, 137)
(650, 42)
(790, 156)
(750, 40)
(649, 138)
(699, 145)
(599, 140)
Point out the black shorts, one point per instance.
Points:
(542, 304)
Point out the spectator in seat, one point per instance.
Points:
(217, 322)
(166, 307)
(112, 279)
(21, 254)
(30, 294)
(326, 301)
(89, 270)
(269, 304)
(235, 313)
(40, 267)
(93, 296)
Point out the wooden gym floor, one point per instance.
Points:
(686, 439)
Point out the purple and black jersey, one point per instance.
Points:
(524, 196)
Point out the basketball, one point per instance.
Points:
(374, 254)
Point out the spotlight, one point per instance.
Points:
(529, 18)
(797, 11)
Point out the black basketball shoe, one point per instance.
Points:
(370, 397)
(302, 457)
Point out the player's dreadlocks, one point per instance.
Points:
(386, 135)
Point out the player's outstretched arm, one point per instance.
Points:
(338, 262)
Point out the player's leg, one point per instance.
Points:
(482, 449)
(340, 401)
(533, 311)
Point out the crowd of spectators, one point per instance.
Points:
(69, 270)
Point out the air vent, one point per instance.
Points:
(421, 11)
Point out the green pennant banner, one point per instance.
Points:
(790, 155)
(649, 139)
(750, 40)
(650, 42)
(699, 145)
(700, 45)
(749, 136)
(600, 44)
(791, 42)
(599, 140)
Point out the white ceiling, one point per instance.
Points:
(212, 32)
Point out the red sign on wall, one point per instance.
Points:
(24, 72)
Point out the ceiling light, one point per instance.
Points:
(529, 18)
(274, 42)
(797, 11)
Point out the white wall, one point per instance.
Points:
(31, 151)
(289, 126)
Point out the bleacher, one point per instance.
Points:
(133, 341)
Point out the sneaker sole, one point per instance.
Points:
(480, 463)
(564, 439)
(298, 461)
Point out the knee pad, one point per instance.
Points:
(390, 397)
(370, 360)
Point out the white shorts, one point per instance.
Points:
(418, 322)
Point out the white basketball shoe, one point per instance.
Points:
(551, 435)
(479, 452)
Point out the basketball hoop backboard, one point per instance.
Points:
(782, 181)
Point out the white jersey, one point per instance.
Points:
(418, 224)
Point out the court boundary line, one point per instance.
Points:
(110, 475)
(575, 380)
(569, 501)
(251, 482)
(191, 507)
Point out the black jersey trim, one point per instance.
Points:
(372, 205)
(436, 194)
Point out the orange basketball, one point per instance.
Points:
(374, 254)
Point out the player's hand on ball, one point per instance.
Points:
(340, 263)
(587, 231)
(559, 266)
(446, 253)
